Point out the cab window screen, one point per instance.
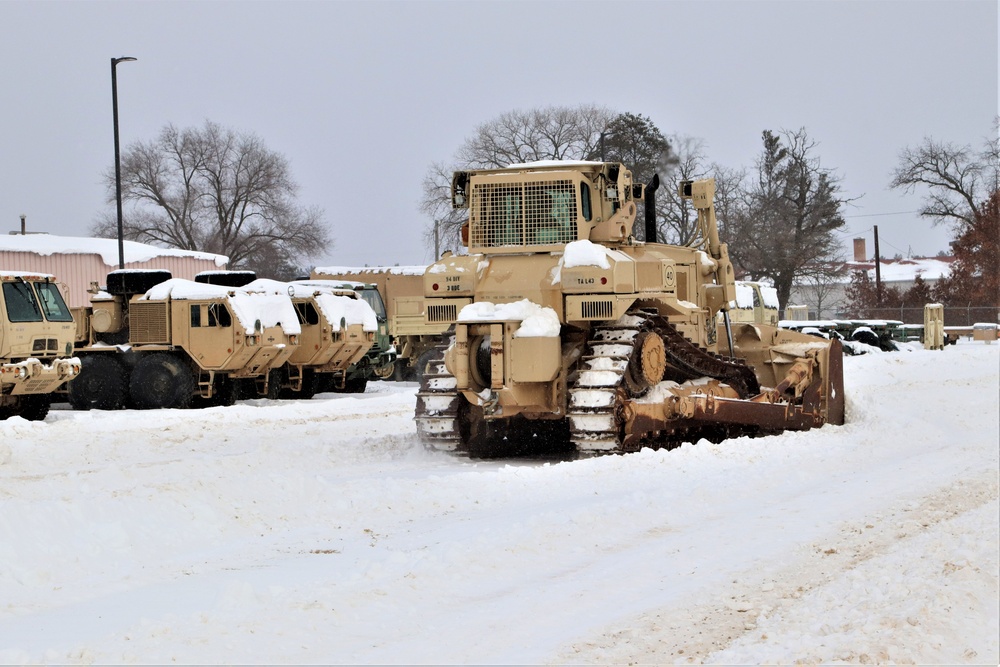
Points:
(21, 304)
(195, 315)
(53, 305)
(585, 201)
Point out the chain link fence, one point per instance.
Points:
(954, 316)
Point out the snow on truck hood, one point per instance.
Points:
(268, 308)
(536, 321)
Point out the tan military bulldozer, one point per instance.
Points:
(567, 332)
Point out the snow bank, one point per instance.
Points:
(305, 532)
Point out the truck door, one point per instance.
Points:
(211, 335)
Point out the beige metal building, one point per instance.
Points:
(78, 261)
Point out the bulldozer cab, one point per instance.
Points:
(542, 206)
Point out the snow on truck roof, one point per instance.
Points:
(47, 244)
(34, 275)
(338, 305)
(268, 308)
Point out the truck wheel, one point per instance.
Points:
(101, 384)
(161, 380)
(229, 391)
(310, 383)
(355, 386)
(36, 407)
(274, 381)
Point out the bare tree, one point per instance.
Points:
(550, 133)
(215, 190)
(790, 212)
(677, 221)
(958, 179)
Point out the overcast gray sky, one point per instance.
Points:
(362, 96)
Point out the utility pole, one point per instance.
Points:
(878, 271)
(437, 241)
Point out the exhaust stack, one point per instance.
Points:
(650, 201)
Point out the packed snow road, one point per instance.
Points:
(320, 531)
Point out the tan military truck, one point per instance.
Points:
(151, 341)
(36, 344)
(338, 329)
(567, 332)
(754, 303)
(402, 291)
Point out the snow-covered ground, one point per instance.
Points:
(321, 532)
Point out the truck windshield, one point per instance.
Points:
(53, 305)
(374, 300)
(20, 301)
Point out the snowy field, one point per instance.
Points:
(321, 532)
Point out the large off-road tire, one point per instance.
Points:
(35, 407)
(226, 278)
(101, 385)
(161, 380)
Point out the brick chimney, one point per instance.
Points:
(860, 255)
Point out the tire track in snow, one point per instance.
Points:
(701, 632)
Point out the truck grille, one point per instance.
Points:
(523, 214)
(148, 323)
(45, 346)
(597, 310)
(445, 313)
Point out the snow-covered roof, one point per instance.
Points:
(904, 270)
(47, 244)
(412, 270)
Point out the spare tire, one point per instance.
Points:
(127, 283)
(226, 278)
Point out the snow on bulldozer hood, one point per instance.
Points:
(341, 306)
(268, 308)
(536, 321)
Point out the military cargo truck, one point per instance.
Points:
(152, 341)
(755, 302)
(36, 344)
(566, 330)
(339, 328)
(402, 291)
(380, 361)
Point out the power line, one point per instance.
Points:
(874, 215)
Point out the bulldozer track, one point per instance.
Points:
(599, 390)
(596, 390)
(437, 404)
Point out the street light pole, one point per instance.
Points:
(118, 162)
